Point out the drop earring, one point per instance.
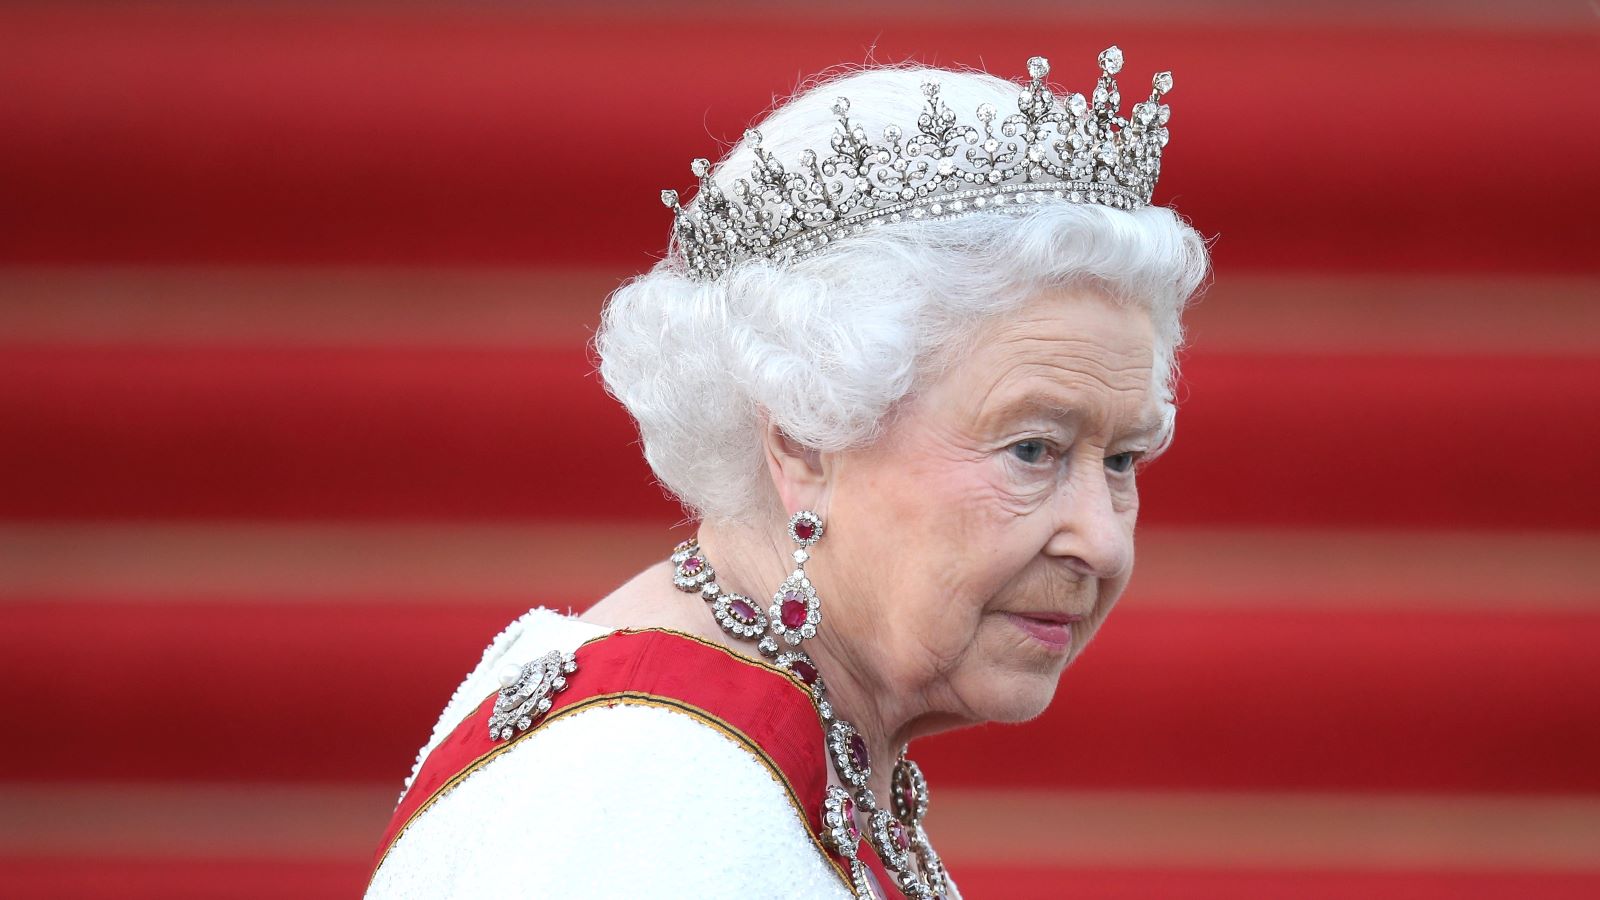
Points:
(796, 612)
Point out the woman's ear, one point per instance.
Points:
(799, 473)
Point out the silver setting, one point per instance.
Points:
(841, 736)
(526, 693)
(795, 589)
(860, 881)
(932, 866)
(839, 828)
(893, 843)
(1062, 148)
(787, 659)
(908, 792)
(732, 621)
(805, 529)
(692, 571)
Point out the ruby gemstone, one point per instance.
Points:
(897, 833)
(692, 565)
(806, 671)
(793, 610)
(909, 797)
(858, 753)
(804, 530)
(848, 810)
(743, 611)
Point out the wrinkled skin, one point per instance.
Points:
(1006, 489)
(1000, 495)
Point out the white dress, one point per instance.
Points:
(618, 801)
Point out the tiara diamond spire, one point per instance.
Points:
(1067, 148)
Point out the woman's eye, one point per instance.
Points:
(1029, 451)
(1121, 462)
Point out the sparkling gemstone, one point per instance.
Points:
(1077, 105)
(858, 753)
(897, 835)
(841, 106)
(806, 671)
(1038, 67)
(700, 167)
(1111, 60)
(742, 610)
(804, 530)
(851, 830)
(908, 795)
(1162, 82)
(793, 610)
(986, 112)
(693, 565)
(669, 198)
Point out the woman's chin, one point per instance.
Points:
(1019, 698)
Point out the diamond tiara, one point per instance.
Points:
(1066, 148)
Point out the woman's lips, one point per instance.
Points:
(1055, 632)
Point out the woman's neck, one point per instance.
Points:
(754, 562)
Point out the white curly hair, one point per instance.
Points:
(826, 346)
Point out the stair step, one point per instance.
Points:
(1166, 698)
(449, 136)
(150, 432)
(475, 563)
(90, 878)
(998, 843)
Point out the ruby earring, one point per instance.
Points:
(795, 612)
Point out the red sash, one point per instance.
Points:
(764, 709)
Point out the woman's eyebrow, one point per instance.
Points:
(1055, 408)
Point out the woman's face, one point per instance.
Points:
(987, 535)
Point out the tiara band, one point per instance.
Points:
(1065, 148)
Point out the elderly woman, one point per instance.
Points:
(912, 342)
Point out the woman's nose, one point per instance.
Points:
(1091, 535)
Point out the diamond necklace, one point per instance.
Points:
(896, 834)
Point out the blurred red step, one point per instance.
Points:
(1186, 883)
(88, 877)
(1197, 699)
(204, 879)
(184, 133)
(140, 432)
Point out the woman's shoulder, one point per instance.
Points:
(615, 801)
(534, 633)
(669, 763)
